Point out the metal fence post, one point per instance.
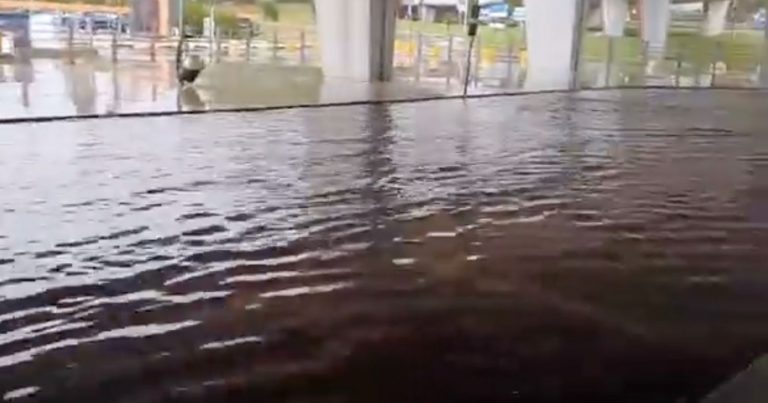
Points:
(248, 39)
(764, 68)
(718, 57)
(417, 62)
(71, 43)
(90, 33)
(114, 46)
(609, 62)
(218, 44)
(478, 59)
(275, 43)
(510, 56)
(152, 48)
(449, 59)
(303, 46)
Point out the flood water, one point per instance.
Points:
(604, 246)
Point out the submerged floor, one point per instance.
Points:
(602, 246)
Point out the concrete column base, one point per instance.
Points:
(357, 38)
(550, 40)
(714, 21)
(655, 16)
(615, 17)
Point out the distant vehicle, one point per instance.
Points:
(246, 26)
(693, 12)
(759, 19)
(496, 13)
(501, 15)
(518, 15)
(66, 20)
(102, 22)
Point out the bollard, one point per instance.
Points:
(679, 68)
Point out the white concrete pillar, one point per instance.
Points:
(550, 39)
(714, 21)
(594, 18)
(615, 17)
(655, 15)
(357, 38)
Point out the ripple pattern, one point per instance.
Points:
(579, 247)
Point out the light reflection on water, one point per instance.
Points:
(540, 248)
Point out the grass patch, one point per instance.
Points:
(740, 50)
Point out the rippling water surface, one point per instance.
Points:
(603, 247)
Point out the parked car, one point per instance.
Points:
(247, 27)
(103, 22)
(502, 15)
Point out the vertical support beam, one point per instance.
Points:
(615, 17)
(357, 38)
(655, 15)
(714, 21)
(551, 28)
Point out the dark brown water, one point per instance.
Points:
(601, 247)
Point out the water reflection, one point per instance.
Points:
(97, 85)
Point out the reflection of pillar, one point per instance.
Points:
(552, 48)
(615, 16)
(714, 21)
(24, 73)
(357, 38)
(81, 83)
(377, 167)
(164, 17)
(655, 23)
(764, 65)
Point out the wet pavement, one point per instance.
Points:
(96, 86)
(602, 246)
(134, 83)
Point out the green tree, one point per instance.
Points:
(270, 10)
(195, 12)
